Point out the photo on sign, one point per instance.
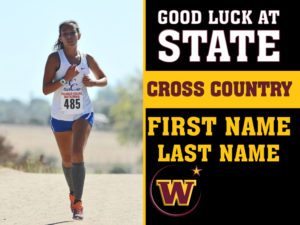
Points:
(71, 110)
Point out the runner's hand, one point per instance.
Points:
(87, 81)
(71, 72)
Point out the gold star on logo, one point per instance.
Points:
(196, 171)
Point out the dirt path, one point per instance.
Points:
(42, 199)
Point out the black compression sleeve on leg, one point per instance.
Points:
(67, 172)
(78, 176)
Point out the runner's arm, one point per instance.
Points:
(50, 69)
(101, 79)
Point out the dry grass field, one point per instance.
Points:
(101, 153)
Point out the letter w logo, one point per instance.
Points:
(176, 191)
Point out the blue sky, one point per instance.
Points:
(112, 32)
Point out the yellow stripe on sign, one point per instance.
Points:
(221, 89)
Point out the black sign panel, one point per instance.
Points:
(228, 192)
(285, 23)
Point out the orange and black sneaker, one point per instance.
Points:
(72, 199)
(78, 211)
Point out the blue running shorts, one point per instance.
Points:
(62, 126)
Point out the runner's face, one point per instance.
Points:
(68, 35)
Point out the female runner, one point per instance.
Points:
(66, 74)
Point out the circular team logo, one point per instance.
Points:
(176, 191)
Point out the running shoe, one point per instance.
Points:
(78, 211)
(72, 198)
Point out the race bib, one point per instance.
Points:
(71, 102)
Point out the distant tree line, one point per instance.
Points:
(122, 104)
(16, 112)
